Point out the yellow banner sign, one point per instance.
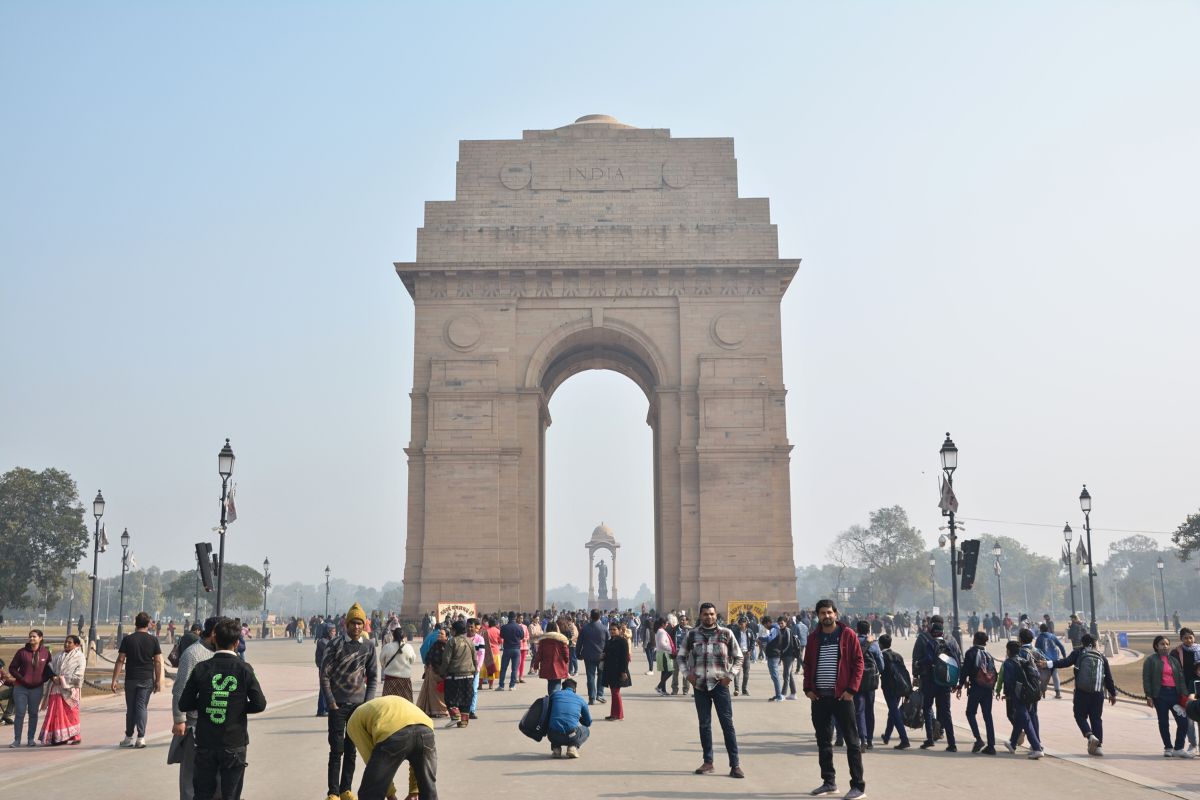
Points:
(454, 609)
(738, 607)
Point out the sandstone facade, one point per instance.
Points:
(597, 246)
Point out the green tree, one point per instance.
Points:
(889, 544)
(1187, 536)
(41, 525)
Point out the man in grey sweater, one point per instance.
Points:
(349, 673)
(183, 741)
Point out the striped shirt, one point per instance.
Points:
(827, 660)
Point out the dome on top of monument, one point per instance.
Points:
(599, 119)
(603, 533)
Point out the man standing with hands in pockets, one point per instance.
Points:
(712, 659)
(833, 670)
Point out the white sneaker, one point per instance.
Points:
(1191, 749)
(1184, 754)
(140, 742)
(572, 752)
(1099, 751)
(127, 742)
(1093, 743)
(1168, 752)
(1036, 754)
(1009, 747)
(790, 697)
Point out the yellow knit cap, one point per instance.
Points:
(356, 612)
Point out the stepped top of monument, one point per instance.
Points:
(595, 190)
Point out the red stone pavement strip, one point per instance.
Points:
(103, 719)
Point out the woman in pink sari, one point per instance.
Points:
(61, 701)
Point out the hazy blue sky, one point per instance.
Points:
(995, 205)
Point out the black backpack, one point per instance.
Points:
(870, 677)
(536, 721)
(913, 710)
(1029, 683)
(895, 678)
(781, 644)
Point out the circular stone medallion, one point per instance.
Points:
(677, 174)
(515, 176)
(463, 333)
(729, 331)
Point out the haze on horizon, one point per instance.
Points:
(994, 207)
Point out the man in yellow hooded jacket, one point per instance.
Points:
(387, 731)
(348, 679)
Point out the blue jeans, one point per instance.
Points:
(1023, 722)
(895, 720)
(864, 716)
(322, 710)
(137, 702)
(26, 701)
(574, 738)
(773, 671)
(979, 699)
(595, 688)
(474, 694)
(553, 685)
(707, 699)
(509, 658)
(1167, 697)
(574, 665)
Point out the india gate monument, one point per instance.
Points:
(597, 245)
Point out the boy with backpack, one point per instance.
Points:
(1051, 648)
(897, 686)
(1040, 667)
(978, 674)
(1020, 688)
(864, 698)
(1093, 679)
(936, 661)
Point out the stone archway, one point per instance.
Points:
(597, 246)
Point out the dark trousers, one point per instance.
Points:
(594, 687)
(940, 695)
(979, 700)
(895, 719)
(137, 700)
(1162, 704)
(187, 769)
(574, 738)
(825, 711)
(219, 771)
(1088, 706)
(574, 665)
(413, 743)
(864, 716)
(707, 699)
(1022, 721)
(341, 750)
(509, 660)
(745, 675)
(322, 709)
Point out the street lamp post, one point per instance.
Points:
(71, 602)
(98, 511)
(1162, 585)
(225, 460)
(326, 591)
(266, 586)
(121, 603)
(1067, 535)
(932, 584)
(1085, 503)
(949, 455)
(870, 585)
(996, 551)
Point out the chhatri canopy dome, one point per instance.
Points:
(602, 535)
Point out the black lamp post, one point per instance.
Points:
(1085, 503)
(121, 602)
(1163, 588)
(71, 602)
(932, 584)
(98, 511)
(949, 455)
(326, 591)
(870, 585)
(996, 552)
(1067, 534)
(225, 461)
(266, 586)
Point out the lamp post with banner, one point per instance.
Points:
(996, 552)
(949, 506)
(98, 512)
(266, 586)
(1067, 536)
(124, 569)
(1085, 503)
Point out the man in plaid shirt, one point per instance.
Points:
(713, 660)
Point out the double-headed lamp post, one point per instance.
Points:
(225, 460)
(1085, 503)
(326, 591)
(266, 586)
(932, 584)
(124, 569)
(1162, 585)
(98, 511)
(949, 455)
(996, 553)
(1067, 535)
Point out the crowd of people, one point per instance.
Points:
(365, 667)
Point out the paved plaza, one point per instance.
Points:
(649, 755)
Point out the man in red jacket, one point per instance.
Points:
(833, 670)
